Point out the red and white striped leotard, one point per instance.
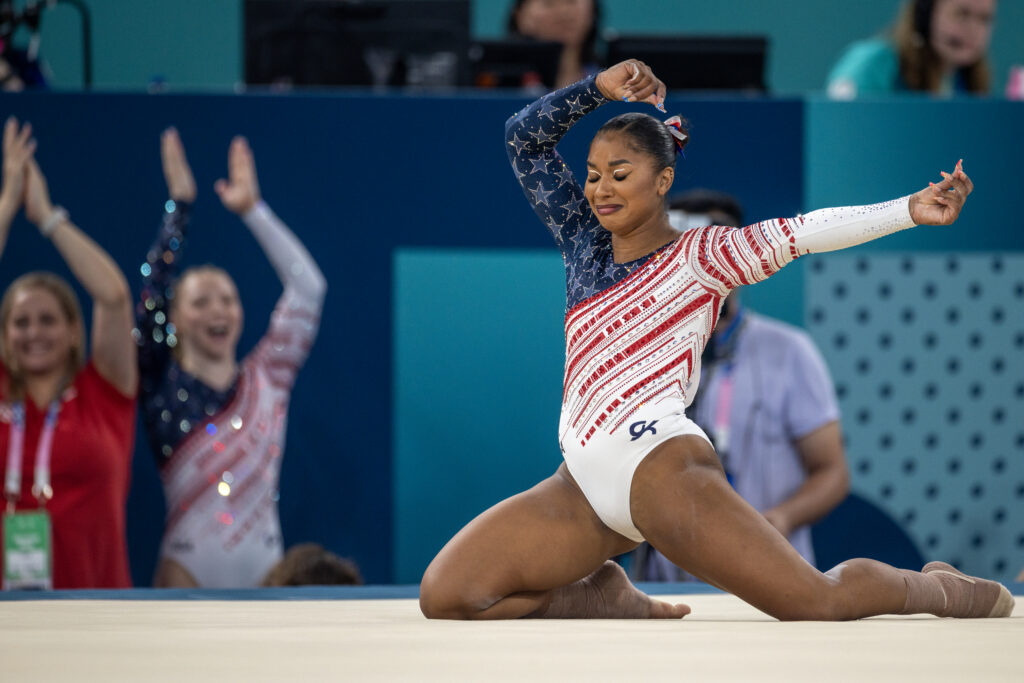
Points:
(634, 332)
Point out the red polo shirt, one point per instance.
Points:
(90, 474)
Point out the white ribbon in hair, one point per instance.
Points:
(675, 125)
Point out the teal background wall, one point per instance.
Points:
(478, 371)
(198, 43)
(191, 44)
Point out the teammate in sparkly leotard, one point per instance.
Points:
(642, 301)
(217, 426)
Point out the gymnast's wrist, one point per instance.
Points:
(258, 210)
(174, 204)
(597, 87)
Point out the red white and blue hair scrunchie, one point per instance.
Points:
(675, 128)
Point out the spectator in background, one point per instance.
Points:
(767, 402)
(937, 46)
(573, 23)
(67, 424)
(310, 564)
(216, 425)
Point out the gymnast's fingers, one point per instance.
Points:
(662, 91)
(648, 91)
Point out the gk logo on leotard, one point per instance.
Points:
(638, 429)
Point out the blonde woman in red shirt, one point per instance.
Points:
(66, 420)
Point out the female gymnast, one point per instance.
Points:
(642, 302)
(217, 426)
(67, 424)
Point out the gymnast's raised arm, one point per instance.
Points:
(296, 318)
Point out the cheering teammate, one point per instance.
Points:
(216, 425)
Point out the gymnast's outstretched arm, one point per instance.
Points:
(730, 257)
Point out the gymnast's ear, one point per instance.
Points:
(665, 178)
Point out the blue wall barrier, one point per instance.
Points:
(410, 208)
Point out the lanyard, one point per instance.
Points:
(725, 345)
(723, 409)
(16, 450)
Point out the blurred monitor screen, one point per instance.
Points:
(420, 43)
(697, 62)
(514, 63)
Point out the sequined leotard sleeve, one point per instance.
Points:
(158, 274)
(724, 258)
(296, 317)
(154, 334)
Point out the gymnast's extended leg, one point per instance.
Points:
(682, 503)
(541, 553)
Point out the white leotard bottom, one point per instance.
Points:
(604, 468)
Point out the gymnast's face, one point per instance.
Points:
(207, 314)
(961, 30)
(624, 188)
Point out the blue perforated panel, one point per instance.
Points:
(927, 352)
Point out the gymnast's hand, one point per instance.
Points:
(632, 80)
(181, 186)
(241, 191)
(940, 203)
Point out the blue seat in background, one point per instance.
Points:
(857, 528)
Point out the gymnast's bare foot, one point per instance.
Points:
(609, 594)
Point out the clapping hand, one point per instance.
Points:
(19, 146)
(181, 186)
(241, 191)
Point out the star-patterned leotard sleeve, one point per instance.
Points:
(531, 136)
(554, 193)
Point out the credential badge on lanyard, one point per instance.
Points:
(28, 549)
